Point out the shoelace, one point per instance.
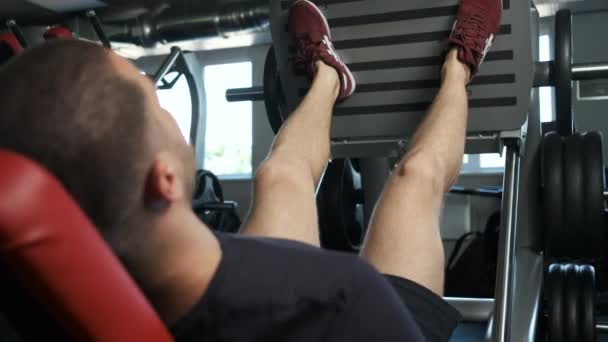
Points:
(473, 33)
(305, 49)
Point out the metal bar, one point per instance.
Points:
(563, 73)
(601, 328)
(168, 63)
(473, 310)
(496, 193)
(543, 72)
(589, 71)
(224, 206)
(489, 327)
(96, 23)
(504, 281)
(245, 94)
(12, 25)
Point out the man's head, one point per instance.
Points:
(95, 122)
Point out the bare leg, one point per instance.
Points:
(285, 184)
(404, 238)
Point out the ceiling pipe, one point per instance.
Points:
(169, 27)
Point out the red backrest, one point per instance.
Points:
(58, 255)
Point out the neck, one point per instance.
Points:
(178, 265)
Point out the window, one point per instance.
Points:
(228, 139)
(545, 94)
(483, 163)
(178, 102)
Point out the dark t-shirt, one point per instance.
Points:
(276, 290)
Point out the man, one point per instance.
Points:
(95, 122)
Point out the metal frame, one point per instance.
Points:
(504, 281)
(96, 23)
(186, 64)
(473, 310)
(16, 30)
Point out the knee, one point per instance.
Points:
(425, 172)
(279, 171)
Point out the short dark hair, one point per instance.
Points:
(65, 105)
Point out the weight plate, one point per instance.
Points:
(574, 201)
(274, 100)
(571, 302)
(555, 302)
(552, 194)
(348, 206)
(563, 72)
(339, 206)
(587, 303)
(594, 192)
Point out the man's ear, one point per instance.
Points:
(163, 186)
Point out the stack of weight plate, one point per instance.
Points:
(573, 196)
(395, 49)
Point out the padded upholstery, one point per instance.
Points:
(9, 46)
(58, 256)
(58, 32)
(11, 41)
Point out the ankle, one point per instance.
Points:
(454, 69)
(329, 77)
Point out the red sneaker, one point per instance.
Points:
(310, 32)
(474, 30)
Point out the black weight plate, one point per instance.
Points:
(594, 191)
(348, 205)
(574, 201)
(571, 302)
(563, 72)
(552, 194)
(337, 201)
(273, 92)
(555, 301)
(587, 303)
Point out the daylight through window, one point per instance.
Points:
(228, 139)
